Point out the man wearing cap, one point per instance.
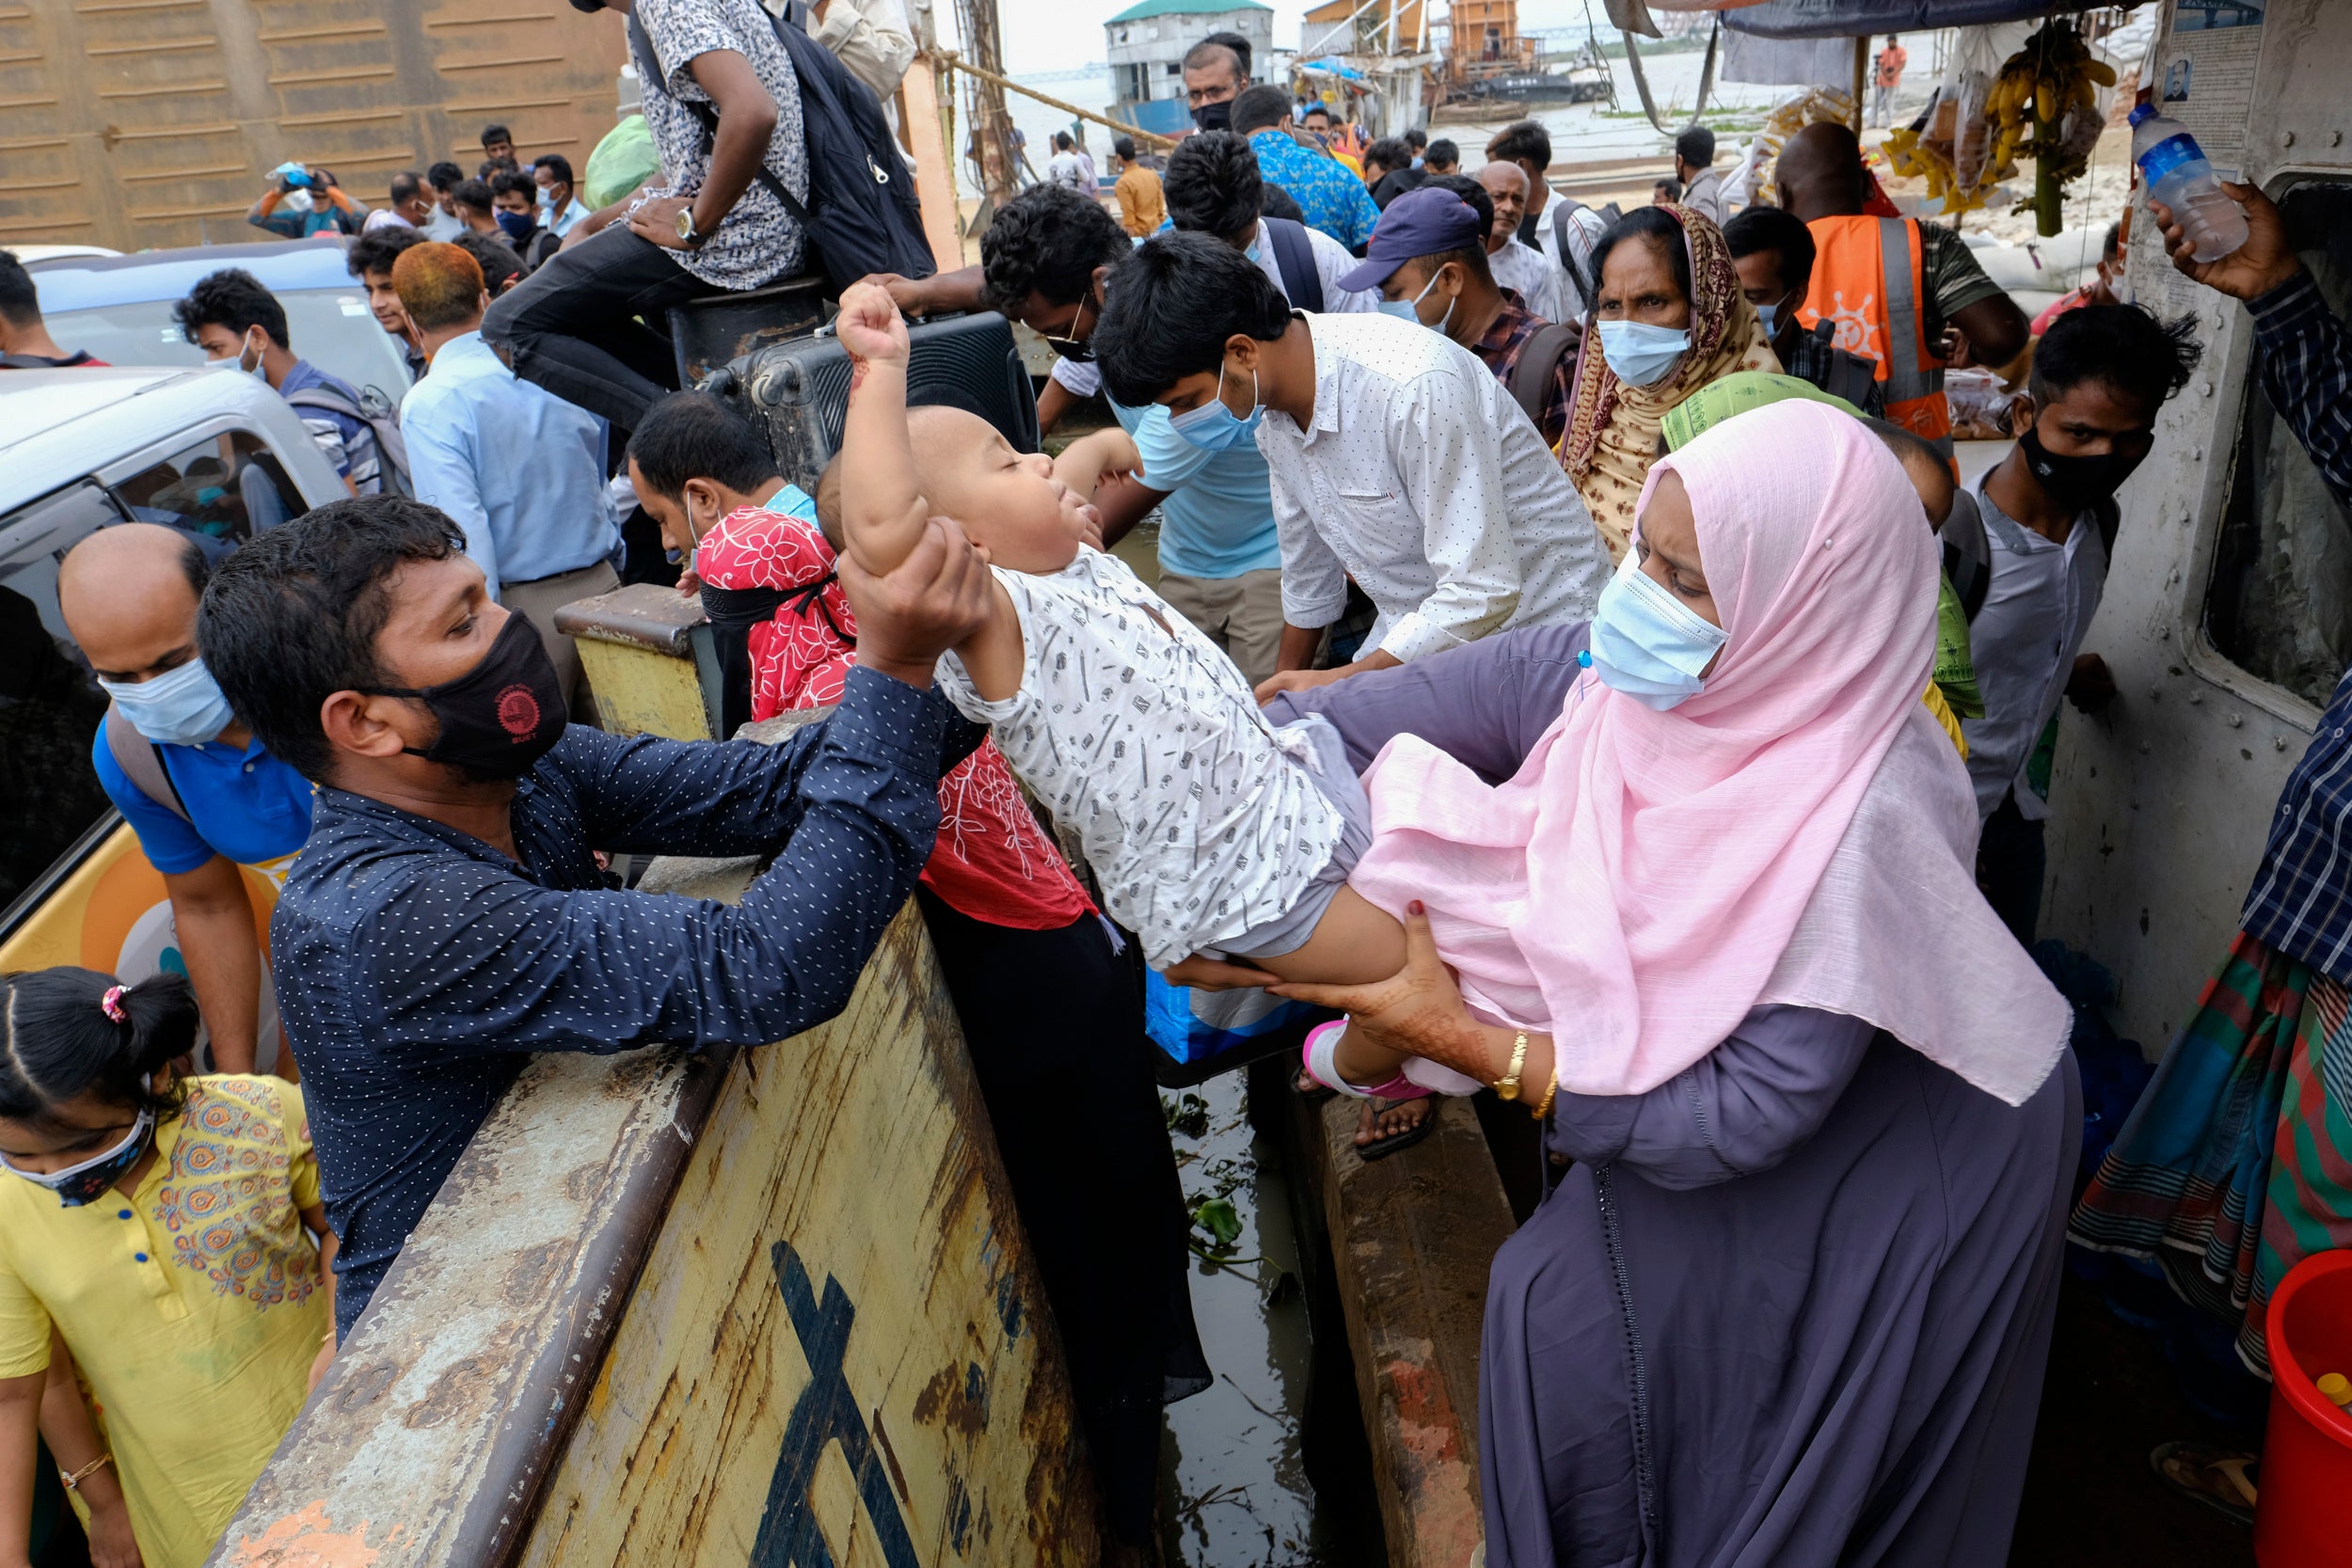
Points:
(1428, 260)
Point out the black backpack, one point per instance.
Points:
(861, 214)
(1295, 259)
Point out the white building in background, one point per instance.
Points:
(1147, 41)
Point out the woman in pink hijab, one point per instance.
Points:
(1810, 1108)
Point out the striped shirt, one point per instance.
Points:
(345, 440)
(2301, 900)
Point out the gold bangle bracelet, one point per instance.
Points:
(1543, 1106)
(1508, 1084)
(73, 1481)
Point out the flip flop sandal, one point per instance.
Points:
(2209, 1477)
(1316, 1095)
(1315, 1061)
(1381, 1147)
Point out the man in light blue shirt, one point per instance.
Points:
(559, 206)
(519, 470)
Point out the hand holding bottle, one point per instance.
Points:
(2264, 263)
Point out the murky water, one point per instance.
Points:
(1233, 1469)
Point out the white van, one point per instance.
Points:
(214, 453)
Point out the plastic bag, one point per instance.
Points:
(623, 161)
(1976, 60)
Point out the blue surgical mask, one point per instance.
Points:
(1640, 354)
(180, 707)
(1410, 310)
(1648, 644)
(518, 226)
(1212, 427)
(1252, 254)
(1764, 314)
(76, 1185)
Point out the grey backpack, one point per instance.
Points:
(142, 762)
(383, 421)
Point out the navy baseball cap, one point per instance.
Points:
(1420, 222)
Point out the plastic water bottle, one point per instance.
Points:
(2174, 169)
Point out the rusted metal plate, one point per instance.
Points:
(705, 1307)
(135, 123)
(839, 1338)
(448, 1403)
(642, 614)
(636, 644)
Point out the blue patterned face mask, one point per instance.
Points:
(1648, 644)
(1213, 427)
(76, 1185)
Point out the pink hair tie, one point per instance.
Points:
(111, 1004)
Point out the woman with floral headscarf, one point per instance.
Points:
(1670, 319)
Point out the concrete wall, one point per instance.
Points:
(135, 123)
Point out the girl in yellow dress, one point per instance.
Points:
(162, 1229)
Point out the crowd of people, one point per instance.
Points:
(1572, 661)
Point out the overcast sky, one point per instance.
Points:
(1062, 35)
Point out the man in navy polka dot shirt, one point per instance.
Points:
(448, 918)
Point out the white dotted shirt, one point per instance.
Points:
(1423, 480)
(1084, 378)
(1199, 819)
(1534, 275)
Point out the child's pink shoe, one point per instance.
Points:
(1316, 1058)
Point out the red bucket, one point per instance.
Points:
(2307, 1455)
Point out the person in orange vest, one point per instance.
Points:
(1892, 286)
(1888, 76)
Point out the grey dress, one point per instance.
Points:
(1790, 1309)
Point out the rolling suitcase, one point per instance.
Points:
(799, 391)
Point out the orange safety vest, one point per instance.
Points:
(1869, 274)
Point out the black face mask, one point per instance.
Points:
(1075, 349)
(499, 716)
(2076, 481)
(1213, 116)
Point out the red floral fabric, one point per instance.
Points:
(992, 860)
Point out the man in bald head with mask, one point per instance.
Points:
(212, 808)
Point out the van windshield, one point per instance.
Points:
(332, 328)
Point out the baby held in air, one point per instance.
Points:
(1211, 830)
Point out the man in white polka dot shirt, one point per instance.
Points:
(1397, 459)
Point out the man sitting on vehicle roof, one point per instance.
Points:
(577, 326)
(448, 917)
(208, 801)
(24, 340)
(234, 320)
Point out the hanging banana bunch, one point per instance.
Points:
(2044, 105)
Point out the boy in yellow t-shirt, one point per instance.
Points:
(163, 1229)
